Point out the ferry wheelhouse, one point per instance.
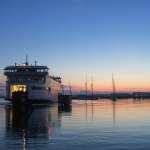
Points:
(32, 80)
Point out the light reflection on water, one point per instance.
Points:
(97, 124)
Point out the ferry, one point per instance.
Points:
(33, 81)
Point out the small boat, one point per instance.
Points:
(113, 98)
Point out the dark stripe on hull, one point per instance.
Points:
(36, 101)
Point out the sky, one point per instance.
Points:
(79, 38)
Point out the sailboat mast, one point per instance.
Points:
(113, 83)
(113, 95)
(70, 87)
(62, 86)
(86, 86)
(114, 88)
(92, 86)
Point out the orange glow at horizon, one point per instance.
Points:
(130, 85)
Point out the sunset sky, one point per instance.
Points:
(75, 38)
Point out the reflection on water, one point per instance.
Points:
(114, 110)
(38, 125)
(91, 124)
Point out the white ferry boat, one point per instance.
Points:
(33, 81)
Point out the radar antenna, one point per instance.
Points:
(35, 62)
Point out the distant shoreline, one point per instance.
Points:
(133, 95)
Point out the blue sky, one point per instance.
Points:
(75, 38)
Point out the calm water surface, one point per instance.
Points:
(100, 124)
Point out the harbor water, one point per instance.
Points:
(87, 125)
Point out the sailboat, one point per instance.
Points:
(113, 95)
